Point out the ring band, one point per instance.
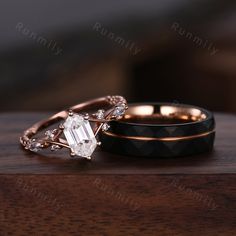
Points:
(80, 135)
(162, 130)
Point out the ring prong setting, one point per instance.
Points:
(72, 154)
(70, 113)
(86, 116)
(61, 127)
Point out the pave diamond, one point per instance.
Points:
(79, 135)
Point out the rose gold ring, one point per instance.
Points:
(80, 127)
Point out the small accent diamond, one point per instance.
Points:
(119, 110)
(100, 114)
(105, 127)
(55, 147)
(50, 133)
(33, 145)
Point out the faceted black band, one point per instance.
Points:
(154, 148)
(192, 133)
(164, 130)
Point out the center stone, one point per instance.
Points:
(79, 135)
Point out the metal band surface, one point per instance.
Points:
(162, 130)
(168, 121)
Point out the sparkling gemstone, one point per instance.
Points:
(100, 114)
(105, 127)
(55, 147)
(33, 145)
(50, 134)
(79, 135)
(119, 110)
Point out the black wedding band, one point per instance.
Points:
(161, 130)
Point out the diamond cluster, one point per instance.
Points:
(33, 145)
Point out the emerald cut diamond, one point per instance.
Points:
(79, 135)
